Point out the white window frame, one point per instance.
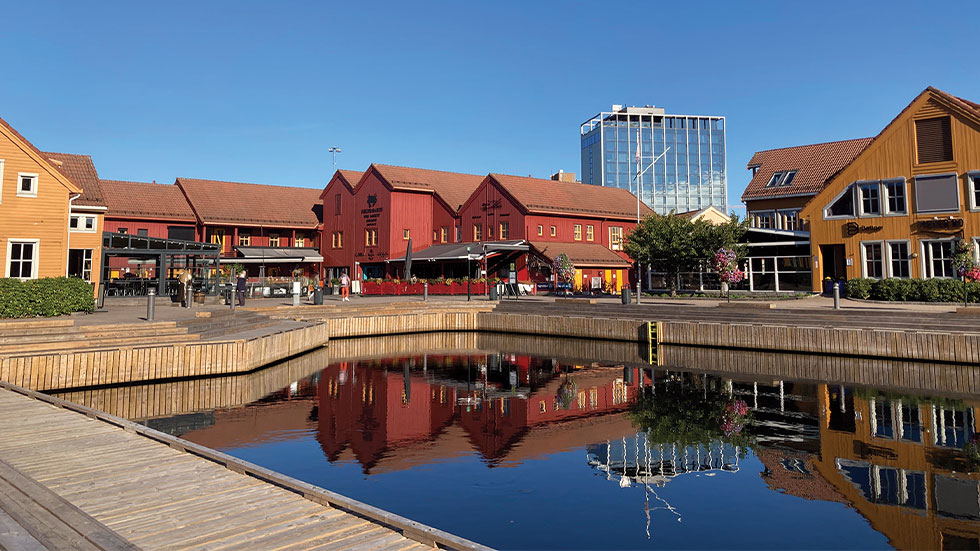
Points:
(888, 256)
(885, 196)
(864, 259)
(36, 258)
(826, 209)
(20, 178)
(975, 243)
(858, 187)
(972, 179)
(959, 200)
(82, 218)
(616, 245)
(787, 212)
(763, 214)
(1, 181)
(779, 178)
(926, 264)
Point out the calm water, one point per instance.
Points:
(528, 452)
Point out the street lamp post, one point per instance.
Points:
(469, 279)
(333, 151)
(636, 180)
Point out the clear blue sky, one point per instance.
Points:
(258, 91)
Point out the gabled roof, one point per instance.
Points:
(143, 200)
(814, 164)
(349, 178)
(553, 197)
(701, 213)
(81, 171)
(39, 157)
(453, 188)
(218, 202)
(582, 254)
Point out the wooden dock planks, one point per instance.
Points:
(156, 497)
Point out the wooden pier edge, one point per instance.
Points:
(407, 527)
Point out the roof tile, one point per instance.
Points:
(582, 254)
(815, 164)
(81, 171)
(572, 198)
(217, 202)
(143, 200)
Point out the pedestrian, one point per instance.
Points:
(344, 287)
(240, 288)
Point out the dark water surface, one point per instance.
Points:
(545, 451)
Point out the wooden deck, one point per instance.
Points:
(72, 477)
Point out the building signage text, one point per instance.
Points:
(853, 228)
(491, 205)
(941, 224)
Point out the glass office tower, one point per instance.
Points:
(691, 176)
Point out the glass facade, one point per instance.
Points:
(691, 176)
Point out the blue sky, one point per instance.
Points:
(258, 91)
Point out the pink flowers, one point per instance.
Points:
(973, 274)
(733, 417)
(726, 264)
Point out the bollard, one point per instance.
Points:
(296, 286)
(836, 296)
(233, 296)
(189, 295)
(151, 295)
(425, 291)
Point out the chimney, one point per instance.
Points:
(562, 176)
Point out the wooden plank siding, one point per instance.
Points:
(893, 155)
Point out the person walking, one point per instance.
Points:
(344, 287)
(240, 288)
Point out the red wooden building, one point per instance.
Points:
(339, 223)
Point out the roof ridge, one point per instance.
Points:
(812, 144)
(428, 170)
(245, 183)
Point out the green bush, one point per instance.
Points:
(892, 288)
(858, 288)
(50, 296)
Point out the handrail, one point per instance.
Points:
(408, 528)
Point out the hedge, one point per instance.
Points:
(50, 296)
(915, 290)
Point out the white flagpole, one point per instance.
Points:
(639, 267)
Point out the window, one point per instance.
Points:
(80, 263)
(504, 230)
(764, 219)
(299, 241)
(273, 239)
(577, 233)
(337, 240)
(874, 262)
(782, 179)
(554, 231)
(489, 231)
(333, 240)
(26, 185)
(217, 236)
(444, 234)
(937, 193)
(933, 140)
(540, 229)
(895, 193)
(22, 259)
(937, 256)
(126, 230)
(1, 180)
(371, 237)
(589, 233)
(789, 219)
(244, 239)
(406, 234)
(477, 232)
(898, 259)
(841, 206)
(143, 232)
(336, 204)
(870, 198)
(616, 238)
(972, 177)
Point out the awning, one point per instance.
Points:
(274, 255)
(582, 255)
(457, 251)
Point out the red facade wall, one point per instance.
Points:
(372, 210)
(342, 257)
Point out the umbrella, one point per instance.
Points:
(408, 260)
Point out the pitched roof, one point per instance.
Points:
(550, 196)
(142, 200)
(814, 164)
(81, 171)
(72, 186)
(963, 103)
(217, 202)
(582, 254)
(349, 178)
(452, 187)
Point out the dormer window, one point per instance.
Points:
(782, 179)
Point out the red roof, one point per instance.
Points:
(217, 202)
(814, 164)
(142, 200)
(81, 171)
(554, 197)
(452, 187)
(348, 178)
(582, 254)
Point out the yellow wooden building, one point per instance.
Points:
(35, 205)
(898, 207)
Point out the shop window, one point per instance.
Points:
(22, 258)
(870, 198)
(616, 238)
(244, 239)
(26, 185)
(841, 206)
(895, 196)
(578, 232)
(504, 230)
(589, 233)
(477, 232)
(874, 262)
(933, 140)
(937, 193)
(273, 239)
(898, 259)
(938, 258)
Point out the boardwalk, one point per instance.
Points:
(111, 484)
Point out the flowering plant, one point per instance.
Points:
(963, 259)
(726, 264)
(733, 417)
(563, 268)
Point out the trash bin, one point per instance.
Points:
(626, 295)
(493, 292)
(228, 294)
(199, 297)
(318, 295)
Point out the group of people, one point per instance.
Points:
(241, 287)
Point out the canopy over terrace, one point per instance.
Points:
(277, 256)
(163, 252)
(595, 265)
(448, 259)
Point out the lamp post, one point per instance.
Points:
(468, 274)
(636, 179)
(334, 151)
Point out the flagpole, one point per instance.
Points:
(639, 265)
